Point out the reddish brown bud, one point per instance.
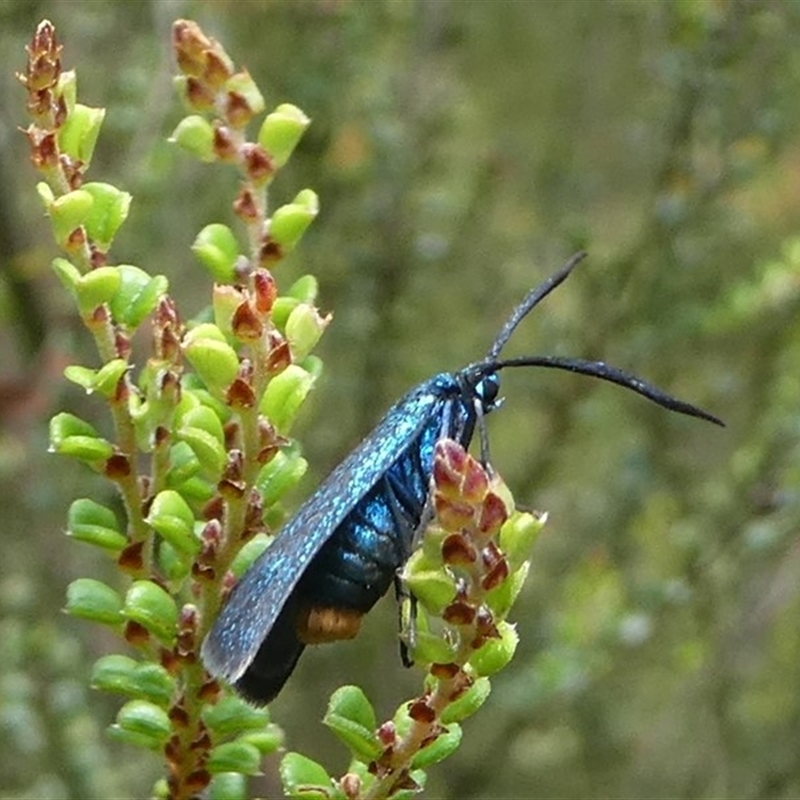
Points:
(476, 482)
(420, 711)
(350, 785)
(117, 467)
(457, 549)
(224, 143)
(387, 734)
(493, 514)
(459, 613)
(240, 394)
(199, 95)
(214, 508)
(246, 323)
(237, 110)
(244, 206)
(280, 356)
(270, 253)
(196, 781)
(178, 715)
(444, 671)
(258, 163)
(210, 691)
(169, 661)
(265, 290)
(131, 559)
(136, 634)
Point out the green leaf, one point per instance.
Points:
(439, 749)
(279, 475)
(284, 395)
(144, 680)
(469, 702)
(172, 518)
(195, 134)
(235, 756)
(143, 723)
(78, 135)
(303, 778)
(289, 222)
(352, 718)
(218, 250)
(281, 131)
(495, 654)
(138, 295)
(88, 598)
(233, 715)
(72, 436)
(228, 786)
(94, 524)
(68, 212)
(108, 212)
(153, 608)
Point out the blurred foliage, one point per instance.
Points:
(461, 150)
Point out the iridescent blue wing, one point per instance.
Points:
(257, 600)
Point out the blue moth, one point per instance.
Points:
(343, 548)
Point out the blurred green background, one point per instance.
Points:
(462, 150)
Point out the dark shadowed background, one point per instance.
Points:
(462, 150)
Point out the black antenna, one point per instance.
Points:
(599, 369)
(532, 299)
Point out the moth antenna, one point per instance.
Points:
(531, 300)
(599, 369)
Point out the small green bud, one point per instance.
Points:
(289, 222)
(304, 289)
(69, 212)
(268, 740)
(172, 518)
(107, 213)
(439, 749)
(108, 377)
(217, 249)
(123, 675)
(174, 565)
(195, 134)
(301, 774)
(468, 703)
(243, 84)
(142, 723)
(279, 475)
(232, 715)
(495, 654)
(68, 274)
(183, 464)
(235, 756)
(502, 597)
(91, 599)
(284, 395)
(212, 357)
(304, 329)
(517, 536)
(94, 524)
(352, 719)
(68, 88)
(77, 137)
(249, 553)
(138, 295)
(71, 436)
(97, 287)
(228, 786)
(432, 584)
(281, 131)
(430, 648)
(153, 608)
